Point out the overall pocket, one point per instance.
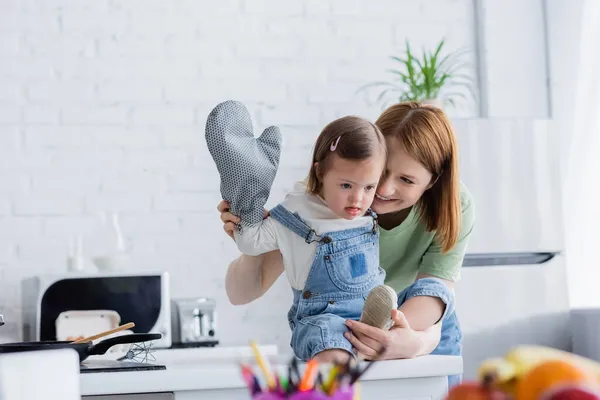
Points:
(354, 270)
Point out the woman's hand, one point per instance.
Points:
(230, 221)
(401, 341)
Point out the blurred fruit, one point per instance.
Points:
(571, 393)
(521, 359)
(474, 391)
(549, 374)
(500, 372)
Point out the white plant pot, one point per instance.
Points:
(433, 102)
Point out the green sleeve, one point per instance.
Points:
(447, 265)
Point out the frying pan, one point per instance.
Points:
(84, 349)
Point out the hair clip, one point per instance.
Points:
(334, 145)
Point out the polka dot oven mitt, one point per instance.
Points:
(247, 165)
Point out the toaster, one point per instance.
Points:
(194, 322)
(58, 307)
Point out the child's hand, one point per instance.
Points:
(230, 221)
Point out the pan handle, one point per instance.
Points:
(103, 346)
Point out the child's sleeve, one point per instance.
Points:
(258, 238)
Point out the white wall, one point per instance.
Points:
(512, 46)
(575, 107)
(103, 105)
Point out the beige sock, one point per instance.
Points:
(378, 307)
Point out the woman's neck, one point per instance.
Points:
(393, 220)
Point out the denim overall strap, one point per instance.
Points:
(375, 222)
(293, 222)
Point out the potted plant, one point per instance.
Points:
(428, 79)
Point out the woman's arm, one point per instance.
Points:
(418, 326)
(428, 340)
(249, 277)
(401, 341)
(422, 312)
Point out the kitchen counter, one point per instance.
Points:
(202, 377)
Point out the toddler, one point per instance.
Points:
(328, 237)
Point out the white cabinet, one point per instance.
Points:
(136, 396)
(431, 388)
(419, 378)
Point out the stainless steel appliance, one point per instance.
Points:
(94, 300)
(194, 322)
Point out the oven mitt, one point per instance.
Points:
(247, 165)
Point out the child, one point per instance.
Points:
(328, 237)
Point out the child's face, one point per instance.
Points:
(349, 186)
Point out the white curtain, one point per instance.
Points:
(581, 152)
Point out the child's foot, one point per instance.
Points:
(334, 356)
(378, 307)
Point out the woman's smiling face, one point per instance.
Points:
(404, 181)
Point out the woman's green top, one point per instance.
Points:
(408, 249)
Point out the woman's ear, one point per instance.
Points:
(433, 181)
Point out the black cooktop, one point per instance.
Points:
(188, 345)
(90, 366)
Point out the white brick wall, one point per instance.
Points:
(103, 105)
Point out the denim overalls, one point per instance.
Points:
(344, 270)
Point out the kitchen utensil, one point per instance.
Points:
(84, 349)
(105, 333)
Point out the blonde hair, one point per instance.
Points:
(426, 134)
(351, 138)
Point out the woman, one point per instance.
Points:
(426, 218)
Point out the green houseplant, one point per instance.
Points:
(432, 78)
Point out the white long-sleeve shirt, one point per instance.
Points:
(298, 255)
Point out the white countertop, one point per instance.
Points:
(218, 368)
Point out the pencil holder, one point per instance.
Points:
(269, 396)
(318, 395)
(341, 394)
(312, 383)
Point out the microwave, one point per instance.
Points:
(142, 298)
